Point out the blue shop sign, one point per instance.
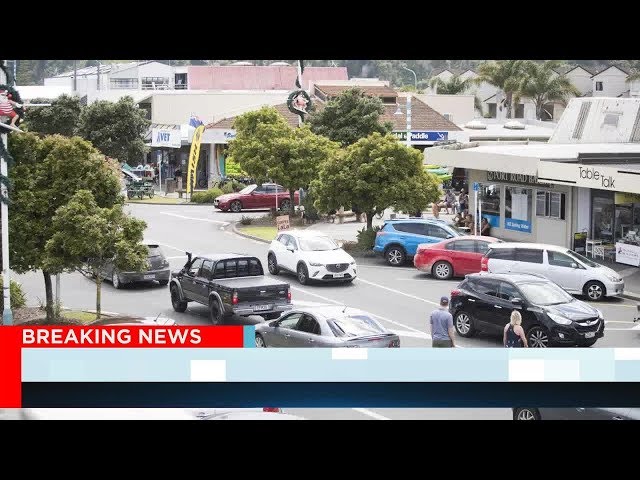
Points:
(517, 225)
(423, 136)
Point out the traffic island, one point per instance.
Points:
(37, 316)
(157, 200)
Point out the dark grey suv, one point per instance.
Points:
(527, 413)
(157, 270)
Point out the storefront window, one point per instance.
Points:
(550, 204)
(602, 216)
(490, 204)
(517, 209)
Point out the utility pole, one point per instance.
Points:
(98, 78)
(7, 314)
(75, 76)
(415, 77)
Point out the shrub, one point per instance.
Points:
(206, 197)
(227, 188)
(246, 220)
(367, 238)
(310, 211)
(18, 298)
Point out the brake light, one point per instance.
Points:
(484, 264)
(234, 299)
(455, 293)
(380, 233)
(289, 296)
(394, 344)
(271, 409)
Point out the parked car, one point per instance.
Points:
(456, 256)
(158, 269)
(527, 413)
(550, 316)
(573, 272)
(399, 239)
(325, 326)
(256, 196)
(229, 284)
(311, 256)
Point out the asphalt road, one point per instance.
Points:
(401, 298)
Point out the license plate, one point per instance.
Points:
(589, 334)
(338, 275)
(149, 277)
(261, 308)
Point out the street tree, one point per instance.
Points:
(47, 173)
(267, 148)
(61, 117)
(86, 235)
(455, 86)
(505, 75)
(349, 117)
(542, 84)
(375, 173)
(117, 129)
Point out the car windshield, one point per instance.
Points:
(456, 229)
(584, 260)
(317, 244)
(545, 293)
(356, 325)
(247, 190)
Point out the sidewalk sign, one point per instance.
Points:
(282, 222)
(580, 242)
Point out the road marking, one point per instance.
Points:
(369, 413)
(176, 257)
(606, 322)
(195, 218)
(386, 268)
(334, 302)
(600, 305)
(393, 290)
(637, 327)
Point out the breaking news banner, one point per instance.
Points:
(194, 367)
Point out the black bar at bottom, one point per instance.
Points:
(328, 394)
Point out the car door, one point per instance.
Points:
(564, 270)
(280, 335)
(189, 278)
(529, 260)
(411, 235)
(435, 233)
(503, 306)
(501, 260)
(464, 256)
(289, 254)
(201, 282)
(256, 198)
(483, 309)
(307, 333)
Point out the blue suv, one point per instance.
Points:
(399, 239)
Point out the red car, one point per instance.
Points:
(456, 256)
(256, 196)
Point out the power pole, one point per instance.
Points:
(75, 76)
(98, 78)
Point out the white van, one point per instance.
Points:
(573, 272)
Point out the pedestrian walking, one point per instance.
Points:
(442, 326)
(463, 201)
(514, 336)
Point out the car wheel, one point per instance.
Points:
(215, 313)
(395, 255)
(260, 343)
(285, 205)
(463, 323)
(272, 264)
(442, 270)
(303, 274)
(595, 291)
(177, 304)
(115, 280)
(538, 337)
(235, 206)
(163, 283)
(526, 414)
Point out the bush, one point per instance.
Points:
(367, 238)
(227, 188)
(310, 211)
(206, 197)
(246, 220)
(18, 298)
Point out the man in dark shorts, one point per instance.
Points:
(442, 326)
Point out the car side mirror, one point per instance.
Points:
(340, 244)
(574, 265)
(516, 301)
(290, 248)
(449, 236)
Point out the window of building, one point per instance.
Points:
(124, 83)
(518, 112)
(550, 204)
(181, 81)
(599, 86)
(490, 204)
(602, 215)
(517, 209)
(152, 83)
(493, 111)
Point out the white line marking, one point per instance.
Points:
(369, 413)
(397, 291)
(327, 299)
(637, 327)
(387, 268)
(195, 218)
(176, 257)
(622, 329)
(606, 322)
(165, 245)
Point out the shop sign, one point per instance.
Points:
(622, 198)
(282, 222)
(516, 178)
(627, 254)
(423, 136)
(218, 135)
(162, 137)
(517, 225)
(613, 179)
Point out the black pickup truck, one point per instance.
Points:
(229, 284)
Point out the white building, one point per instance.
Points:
(610, 82)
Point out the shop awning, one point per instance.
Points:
(481, 158)
(612, 177)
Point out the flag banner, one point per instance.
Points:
(194, 157)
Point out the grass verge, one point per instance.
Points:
(84, 317)
(158, 200)
(265, 232)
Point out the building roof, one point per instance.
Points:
(453, 71)
(252, 77)
(282, 109)
(369, 90)
(423, 117)
(588, 70)
(557, 151)
(104, 69)
(498, 130)
(49, 92)
(622, 69)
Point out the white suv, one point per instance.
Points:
(573, 272)
(311, 256)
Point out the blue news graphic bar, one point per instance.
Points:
(328, 394)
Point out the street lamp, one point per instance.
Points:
(415, 77)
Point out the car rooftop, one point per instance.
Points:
(329, 311)
(554, 248)
(304, 233)
(514, 277)
(416, 219)
(221, 256)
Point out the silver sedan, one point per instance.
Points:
(325, 326)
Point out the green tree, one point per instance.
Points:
(506, 75)
(266, 147)
(349, 117)
(233, 169)
(61, 117)
(375, 173)
(454, 86)
(117, 129)
(85, 234)
(46, 174)
(542, 85)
